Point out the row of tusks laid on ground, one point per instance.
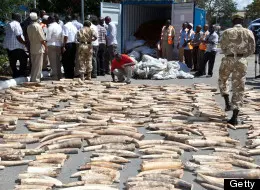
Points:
(104, 119)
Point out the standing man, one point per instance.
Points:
(54, 43)
(95, 45)
(57, 19)
(181, 42)
(44, 23)
(122, 67)
(75, 21)
(195, 44)
(187, 46)
(203, 48)
(237, 44)
(111, 41)
(24, 26)
(42, 14)
(211, 51)
(69, 48)
(78, 25)
(14, 43)
(38, 47)
(85, 52)
(102, 37)
(167, 40)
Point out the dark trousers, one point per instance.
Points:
(94, 61)
(209, 57)
(110, 54)
(188, 58)
(13, 56)
(201, 60)
(68, 60)
(100, 59)
(195, 52)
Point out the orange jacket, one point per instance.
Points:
(171, 34)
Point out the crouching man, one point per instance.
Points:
(122, 68)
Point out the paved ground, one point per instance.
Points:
(9, 175)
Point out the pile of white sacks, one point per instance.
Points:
(136, 48)
(160, 69)
(148, 67)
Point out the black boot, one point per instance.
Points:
(233, 120)
(227, 103)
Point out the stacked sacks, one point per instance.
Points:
(136, 48)
(152, 68)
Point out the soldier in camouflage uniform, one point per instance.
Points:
(237, 44)
(85, 36)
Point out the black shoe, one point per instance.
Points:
(233, 121)
(93, 76)
(198, 74)
(128, 82)
(209, 76)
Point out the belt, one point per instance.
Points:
(85, 43)
(238, 55)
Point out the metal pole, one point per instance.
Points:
(82, 10)
(34, 3)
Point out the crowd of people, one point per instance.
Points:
(84, 50)
(196, 48)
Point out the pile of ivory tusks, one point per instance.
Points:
(69, 116)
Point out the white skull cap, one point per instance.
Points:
(33, 16)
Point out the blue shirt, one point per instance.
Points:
(182, 36)
(189, 36)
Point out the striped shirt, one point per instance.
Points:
(102, 33)
(13, 30)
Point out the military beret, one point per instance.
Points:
(87, 23)
(237, 16)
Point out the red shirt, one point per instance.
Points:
(118, 65)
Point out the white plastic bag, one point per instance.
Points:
(183, 75)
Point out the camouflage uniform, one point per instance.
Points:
(85, 51)
(237, 43)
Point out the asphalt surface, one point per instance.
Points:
(9, 175)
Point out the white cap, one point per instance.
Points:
(45, 17)
(191, 25)
(33, 16)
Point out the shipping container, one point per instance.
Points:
(130, 14)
